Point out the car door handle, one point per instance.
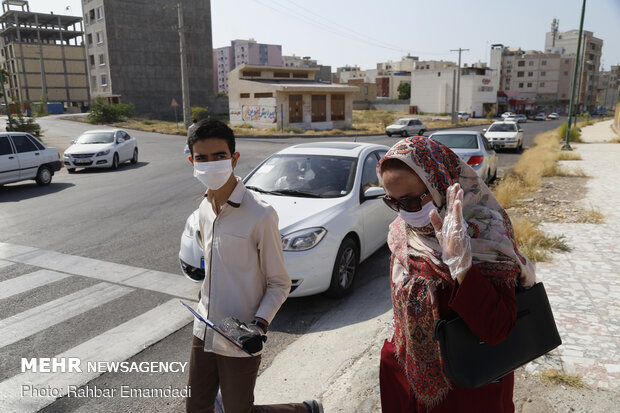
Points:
(11, 157)
(36, 153)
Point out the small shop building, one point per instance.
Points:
(277, 97)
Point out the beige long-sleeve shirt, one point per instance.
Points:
(245, 274)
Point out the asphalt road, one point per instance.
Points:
(135, 216)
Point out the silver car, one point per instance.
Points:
(474, 149)
(406, 127)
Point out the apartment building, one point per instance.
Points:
(133, 52)
(44, 56)
(241, 52)
(609, 88)
(565, 43)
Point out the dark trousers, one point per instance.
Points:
(235, 376)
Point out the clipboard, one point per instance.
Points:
(216, 329)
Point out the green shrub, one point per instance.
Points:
(293, 129)
(26, 124)
(575, 134)
(200, 113)
(101, 112)
(490, 115)
(245, 126)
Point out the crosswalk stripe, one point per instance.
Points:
(34, 320)
(117, 344)
(27, 282)
(163, 282)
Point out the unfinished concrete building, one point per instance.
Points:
(44, 56)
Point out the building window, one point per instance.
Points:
(566, 73)
(101, 59)
(543, 63)
(319, 105)
(251, 73)
(281, 74)
(99, 13)
(263, 95)
(521, 63)
(244, 95)
(438, 74)
(530, 74)
(520, 74)
(104, 80)
(300, 75)
(91, 14)
(338, 106)
(99, 37)
(89, 38)
(543, 73)
(542, 84)
(520, 85)
(530, 63)
(93, 82)
(529, 85)
(91, 58)
(295, 109)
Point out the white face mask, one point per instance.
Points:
(213, 174)
(418, 219)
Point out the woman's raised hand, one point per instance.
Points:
(452, 234)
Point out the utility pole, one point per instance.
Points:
(454, 118)
(566, 146)
(458, 84)
(187, 111)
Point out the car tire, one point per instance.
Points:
(421, 133)
(71, 170)
(44, 176)
(345, 268)
(134, 159)
(389, 135)
(520, 148)
(404, 134)
(114, 162)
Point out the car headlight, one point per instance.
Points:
(189, 230)
(303, 240)
(64, 155)
(107, 151)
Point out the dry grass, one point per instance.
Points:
(554, 376)
(150, 125)
(534, 243)
(594, 215)
(569, 156)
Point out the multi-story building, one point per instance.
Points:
(566, 44)
(44, 56)
(133, 52)
(609, 88)
(532, 81)
(241, 52)
(298, 61)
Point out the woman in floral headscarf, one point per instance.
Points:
(453, 252)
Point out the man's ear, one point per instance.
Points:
(235, 158)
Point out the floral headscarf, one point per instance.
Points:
(417, 269)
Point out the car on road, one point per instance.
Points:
(520, 118)
(511, 118)
(331, 216)
(463, 116)
(540, 116)
(106, 148)
(474, 149)
(23, 157)
(406, 127)
(506, 114)
(553, 116)
(505, 135)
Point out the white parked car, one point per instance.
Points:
(463, 116)
(331, 215)
(22, 157)
(101, 149)
(505, 135)
(553, 116)
(474, 149)
(406, 127)
(506, 114)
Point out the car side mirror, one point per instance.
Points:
(72, 142)
(118, 141)
(373, 192)
(520, 130)
(484, 130)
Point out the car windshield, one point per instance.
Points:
(460, 141)
(96, 137)
(402, 122)
(310, 176)
(503, 127)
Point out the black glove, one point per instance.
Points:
(239, 331)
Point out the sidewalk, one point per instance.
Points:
(340, 365)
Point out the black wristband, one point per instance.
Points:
(262, 325)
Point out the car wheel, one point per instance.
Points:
(344, 270)
(71, 170)
(389, 135)
(520, 148)
(44, 176)
(134, 159)
(403, 134)
(114, 162)
(421, 133)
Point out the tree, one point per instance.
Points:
(404, 91)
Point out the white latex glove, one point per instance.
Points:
(452, 234)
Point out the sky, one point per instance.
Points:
(364, 32)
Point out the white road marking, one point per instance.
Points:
(39, 318)
(117, 344)
(27, 282)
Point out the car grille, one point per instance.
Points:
(82, 155)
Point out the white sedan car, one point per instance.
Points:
(101, 149)
(505, 135)
(331, 215)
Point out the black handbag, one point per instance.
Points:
(470, 362)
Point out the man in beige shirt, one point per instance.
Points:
(245, 277)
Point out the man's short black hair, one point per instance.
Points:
(206, 129)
